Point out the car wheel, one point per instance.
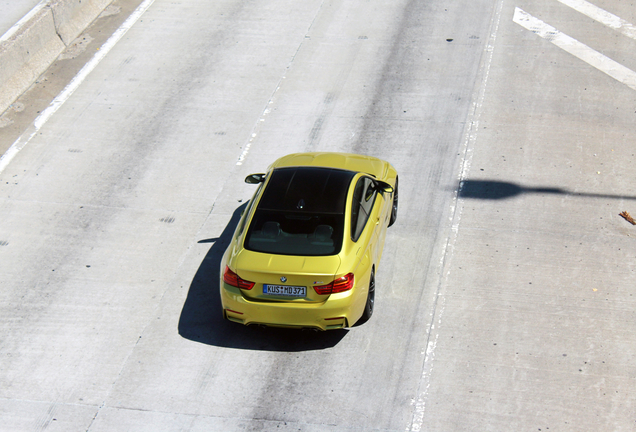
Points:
(394, 209)
(368, 308)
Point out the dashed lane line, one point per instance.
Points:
(455, 211)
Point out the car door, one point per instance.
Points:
(365, 228)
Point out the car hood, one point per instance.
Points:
(347, 161)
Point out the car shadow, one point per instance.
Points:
(201, 319)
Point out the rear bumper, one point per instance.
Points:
(334, 313)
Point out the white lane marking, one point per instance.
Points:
(267, 110)
(468, 142)
(256, 128)
(24, 19)
(602, 16)
(576, 48)
(73, 85)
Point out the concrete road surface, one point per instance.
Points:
(12, 11)
(507, 289)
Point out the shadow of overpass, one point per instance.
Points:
(498, 190)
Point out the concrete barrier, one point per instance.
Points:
(29, 49)
(73, 16)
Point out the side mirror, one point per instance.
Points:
(383, 187)
(255, 178)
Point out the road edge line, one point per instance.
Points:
(70, 88)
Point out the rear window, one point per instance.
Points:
(301, 212)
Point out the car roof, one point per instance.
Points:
(346, 161)
(304, 189)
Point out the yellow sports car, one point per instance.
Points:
(307, 247)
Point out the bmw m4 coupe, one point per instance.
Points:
(307, 247)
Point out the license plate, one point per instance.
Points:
(285, 290)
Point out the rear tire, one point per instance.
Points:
(394, 208)
(370, 305)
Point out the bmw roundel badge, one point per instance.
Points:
(283, 279)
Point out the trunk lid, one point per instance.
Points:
(285, 275)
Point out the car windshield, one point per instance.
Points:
(301, 212)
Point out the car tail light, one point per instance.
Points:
(231, 278)
(341, 284)
(233, 311)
